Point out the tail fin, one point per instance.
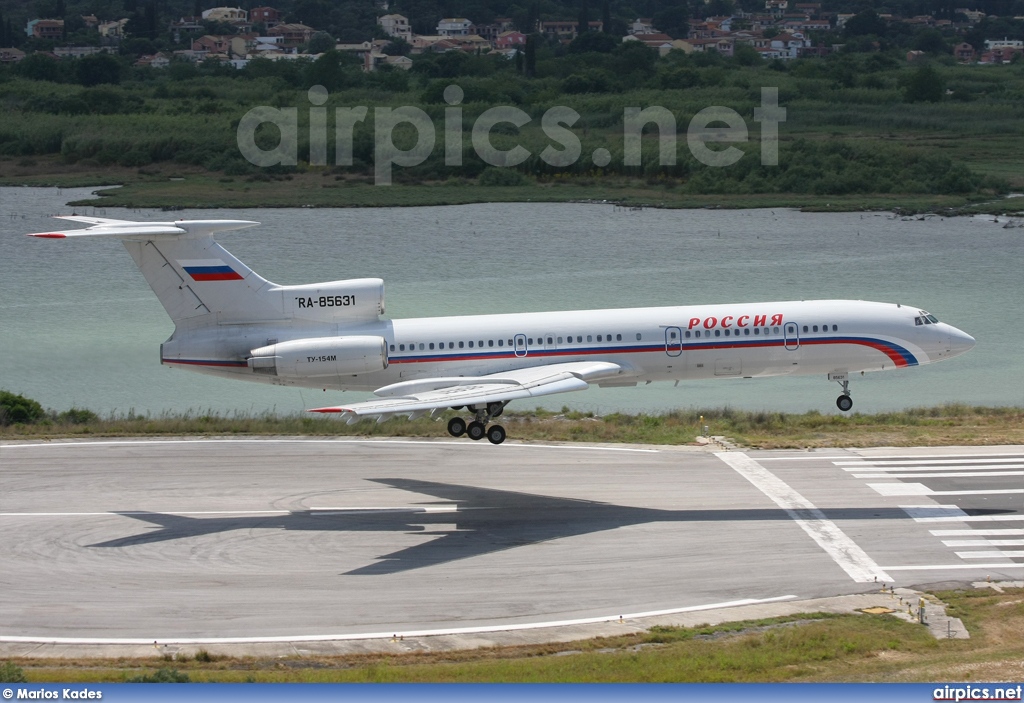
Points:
(191, 274)
(200, 283)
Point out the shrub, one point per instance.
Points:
(18, 408)
(501, 177)
(10, 673)
(161, 676)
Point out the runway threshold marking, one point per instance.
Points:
(843, 550)
(354, 510)
(392, 633)
(108, 443)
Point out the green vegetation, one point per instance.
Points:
(12, 673)
(861, 130)
(942, 425)
(810, 647)
(161, 676)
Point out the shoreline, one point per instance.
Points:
(170, 187)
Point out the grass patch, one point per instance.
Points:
(809, 647)
(932, 426)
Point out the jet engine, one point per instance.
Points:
(321, 356)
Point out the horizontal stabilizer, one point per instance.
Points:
(126, 229)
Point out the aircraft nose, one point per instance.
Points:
(959, 342)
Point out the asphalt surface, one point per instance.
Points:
(258, 540)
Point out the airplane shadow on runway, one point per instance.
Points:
(486, 520)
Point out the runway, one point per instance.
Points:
(246, 540)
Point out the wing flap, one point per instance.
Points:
(417, 397)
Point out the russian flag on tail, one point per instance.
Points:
(209, 270)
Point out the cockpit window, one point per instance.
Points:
(925, 318)
(932, 319)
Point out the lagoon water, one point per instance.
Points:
(79, 327)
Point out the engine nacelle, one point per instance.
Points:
(320, 357)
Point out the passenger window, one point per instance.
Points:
(775, 330)
(618, 338)
(687, 334)
(599, 338)
(490, 342)
(697, 333)
(590, 338)
(431, 345)
(638, 336)
(451, 345)
(529, 341)
(815, 328)
(671, 335)
(727, 333)
(392, 347)
(480, 344)
(550, 340)
(471, 344)
(718, 333)
(746, 332)
(757, 330)
(559, 340)
(501, 342)
(805, 328)
(835, 328)
(462, 345)
(421, 346)
(510, 342)
(401, 347)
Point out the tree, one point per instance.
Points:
(18, 408)
(930, 41)
(397, 47)
(530, 60)
(593, 42)
(606, 17)
(925, 85)
(97, 69)
(319, 43)
(583, 24)
(673, 20)
(863, 24)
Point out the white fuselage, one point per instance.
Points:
(651, 344)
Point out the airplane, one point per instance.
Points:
(231, 322)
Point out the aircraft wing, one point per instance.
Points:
(414, 398)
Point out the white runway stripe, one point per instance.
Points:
(919, 489)
(983, 542)
(1009, 532)
(894, 457)
(882, 469)
(950, 567)
(989, 555)
(497, 627)
(843, 550)
(955, 474)
(901, 462)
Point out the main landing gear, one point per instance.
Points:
(844, 402)
(477, 429)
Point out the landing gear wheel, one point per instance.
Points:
(476, 430)
(495, 434)
(495, 409)
(844, 403)
(456, 427)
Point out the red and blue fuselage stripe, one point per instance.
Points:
(899, 355)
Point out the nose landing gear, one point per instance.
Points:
(478, 429)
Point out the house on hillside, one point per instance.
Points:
(964, 52)
(267, 16)
(291, 34)
(45, 29)
(566, 30)
(396, 26)
(454, 27)
(509, 40)
(225, 14)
